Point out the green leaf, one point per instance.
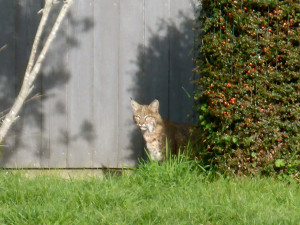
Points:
(207, 126)
(253, 154)
(201, 117)
(279, 163)
(234, 140)
(203, 108)
(226, 138)
(250, 139)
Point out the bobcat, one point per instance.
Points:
(155, 130)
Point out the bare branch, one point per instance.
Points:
(45, 11)
(36, 96)
(49, 40)
(34, 68)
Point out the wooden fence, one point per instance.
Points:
(105, 52)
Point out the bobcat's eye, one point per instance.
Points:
(147, 117)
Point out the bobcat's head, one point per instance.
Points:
(146, 116)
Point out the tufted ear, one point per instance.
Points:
(134, 105)
(154, 105)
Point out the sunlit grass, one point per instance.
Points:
(173, 192)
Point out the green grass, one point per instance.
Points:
(171, 193)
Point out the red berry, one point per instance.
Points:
(232, 101)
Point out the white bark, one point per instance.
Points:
(46, 10)
(33, 68)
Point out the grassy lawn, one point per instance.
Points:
(171, 193)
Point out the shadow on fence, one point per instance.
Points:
(165, 73)
(18, 23)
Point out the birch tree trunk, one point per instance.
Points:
(33, 66)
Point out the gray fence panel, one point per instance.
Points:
(80, 87)
(131, 35)
(28, 129)
(7, 73)
(181, 44)
(106, 81)
(106, 51)
(157, 42)
(55, 108)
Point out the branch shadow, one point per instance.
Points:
(18, 23)
(164, 73)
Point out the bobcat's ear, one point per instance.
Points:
(134, 105)
(154, 105)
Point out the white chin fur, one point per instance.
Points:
(149, 128)
(144, 128)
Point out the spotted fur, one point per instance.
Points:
(155, 130)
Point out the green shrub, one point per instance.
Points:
(247, 68)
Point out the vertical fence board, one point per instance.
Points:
(131, 36)
(181, 64)
(105, 98)
(55, 76)
(28, 138)
(80, 86)
(7, 76)
(156, 63)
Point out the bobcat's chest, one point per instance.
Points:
(155, 146)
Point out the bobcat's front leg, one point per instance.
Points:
(156, 155)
